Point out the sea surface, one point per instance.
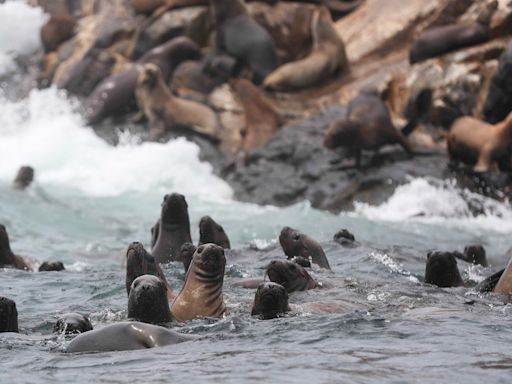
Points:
(90, 200)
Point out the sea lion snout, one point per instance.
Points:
(441, 270)
(270, 300)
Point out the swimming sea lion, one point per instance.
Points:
(124, 337)
(201, 295)
(57, 30)
(173, 229)
(24, 177)
(295, 243)
(147, 301)
(474, 254)
(477, 143)
(344, 237)
(48, 266)
(242, 37)
(166, 112)
(367, 125)
(327, 57)
(211, 232)
(270, 301)
(116, 94)
(8, 315)
(504, 285)
(290, 275)
(440, 40)
(72, 323)
(262, 120)
(441, 270)
(7, 258)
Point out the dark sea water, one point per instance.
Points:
(90, 200)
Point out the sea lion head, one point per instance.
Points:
(72, 323)
(290, 275)
(293, 243)
(149, 76)
(147, 301)
(24, 177)
(211, 232)
(341, 133)
(209, 261)
(441, 270)
(138, 262)
(175, 209)
(8, 315)
(48, 266)
(475, 254)
(186, 254)
(270, 301)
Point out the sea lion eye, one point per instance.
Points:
(295, 237)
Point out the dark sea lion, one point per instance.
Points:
(7, 258)
(242, 37)
(139, 262)
(504, 285)
(24, 177)
(8, 315)
(186, 254)
(212, 232)
(477, 143)
(344, 237)
(489, 283)
(116, 94)
(270, 301)
(124, 337)
(290, 275)
(440, 40)
(474, 254)
(326, 58)
(72, 323)
(262, 120)
(166, 112)
(498, 102)
(57, 30)
(173, 229)
(201, 295)
(48, 266)
(367, 125)
(441, 270)
(295, 243)
(147, 301)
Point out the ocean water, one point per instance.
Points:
(90, 200)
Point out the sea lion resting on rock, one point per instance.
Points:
(481, 144)
(24, 177)
(147, 301)
(211, 232)
(292, 276)
(126, 336)
(57, 30)
(72, 323)
(7, 258)
(441, 270)
(165, 111)
(8, 315)
(367, 125)
(327, 56)
(201, 295)
(295, 243)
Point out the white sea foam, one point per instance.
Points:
(19, 31)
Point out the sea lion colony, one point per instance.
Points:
(229, 42)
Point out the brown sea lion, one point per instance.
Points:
(57, 30)
(477, 143)
(72, 323)
(290, 275)
(211, 232)
(441, 270)
(242, 37)
(327, 57)
(440, 40)
(270, 301)
(146, 6)
(7, 258)
(8, 315)
(24, 177)
(295, 243)
(166, 112)
(262, 120)
(201, 295)
(367, 125)
(173, 229)
(124, 337)
(504, 285)
(147, 301)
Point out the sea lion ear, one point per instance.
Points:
(429, 254)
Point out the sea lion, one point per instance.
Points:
(126, 336)
(139, 262)
(344, 237)
(201, 295)
(186, 253)
(173, 229)
(24, 177)
(270, 301)
(290, 275)
(116, 94)
(367, 125)
(166, 112)
(49, 266)
(474, 254)
(477, 143)
(147, 301)
(57, 30)
(504, 285)
(326, 58)
(211, 232)
(71, 323)
(7, 258)
(295, 243)
(146, 6)
(262, 120)
(441, 270)
(440, 40)
(242, 37)
(8, 315)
